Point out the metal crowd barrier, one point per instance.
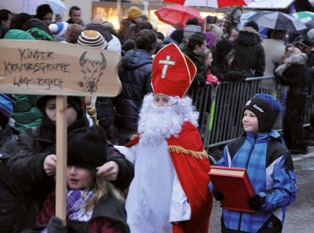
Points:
(220, 107)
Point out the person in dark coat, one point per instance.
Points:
(223, 55)
(34, 160)
(195, 50)
(44, 13)
(101, 206)
(295, 74)
(128, 25)
(8, 185)
(5, 21)
(135, 74)
(249, 52)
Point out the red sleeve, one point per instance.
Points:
(47, 210)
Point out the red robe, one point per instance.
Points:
(192, 166)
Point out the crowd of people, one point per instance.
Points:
(143, 167)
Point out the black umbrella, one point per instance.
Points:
(277, 20)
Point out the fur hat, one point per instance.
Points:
(59, 28)
(172, 72)
(92, 38)
(134, 12)
(87, 147)
(266, 108)
(6, 108)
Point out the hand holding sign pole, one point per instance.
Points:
(51, 68)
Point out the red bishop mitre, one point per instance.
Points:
(172, 72)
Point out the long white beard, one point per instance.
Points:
(158, 123)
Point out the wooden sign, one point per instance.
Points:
(51, 68)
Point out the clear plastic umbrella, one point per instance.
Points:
(30, 6)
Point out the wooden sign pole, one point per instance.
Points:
(51, 68)
(61, 150)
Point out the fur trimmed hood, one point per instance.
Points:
(248, 36)
(296, 59)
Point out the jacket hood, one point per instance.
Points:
(296, 59)
(36, 23)
(135, 58)
(248, 36)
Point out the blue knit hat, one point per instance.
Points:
(6, 108)
(266, 108)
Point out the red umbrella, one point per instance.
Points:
(211, 3)
(175, 14)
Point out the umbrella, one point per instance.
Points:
(304, 16)
(30, 6)
(175, 14)
(211, 3)
(269, 4)
(277, 20)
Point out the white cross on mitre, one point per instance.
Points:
(166, 63)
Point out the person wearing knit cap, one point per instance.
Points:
(113, 42)
(87, 150)
(268, 163)
(128, 25)
(33, 163)
(96, 36)
(134, 13)
(92, 39)
(58, 30)
(9, 187)
(168, 166)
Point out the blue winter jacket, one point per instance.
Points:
(270, 169)
(134, 72)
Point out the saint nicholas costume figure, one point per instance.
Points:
(169, 192)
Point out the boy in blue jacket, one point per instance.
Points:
(269, 165)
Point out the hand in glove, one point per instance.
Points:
(218, 195)
(255, 202)
(55, 225)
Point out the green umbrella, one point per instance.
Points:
(304, 16)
